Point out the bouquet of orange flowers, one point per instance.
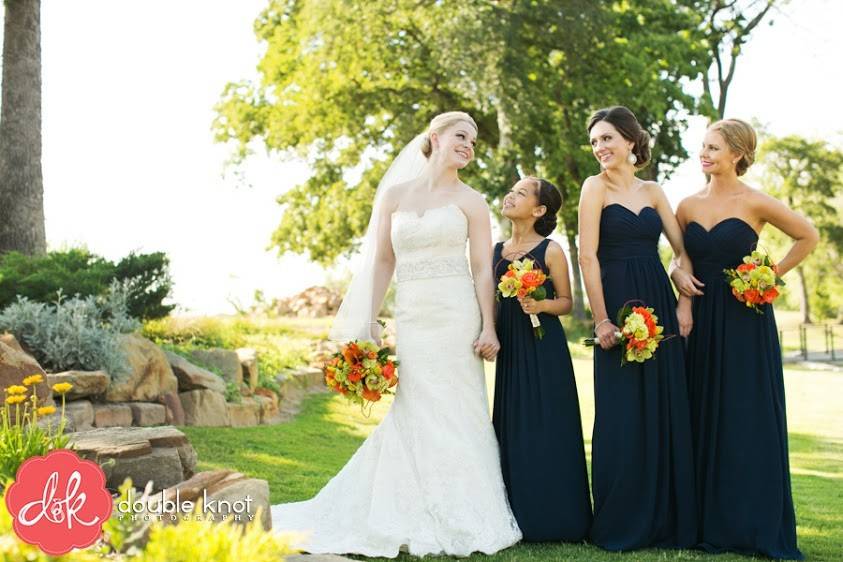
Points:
(640, 333)
(524, 279)
(362, 372)
(755, 282)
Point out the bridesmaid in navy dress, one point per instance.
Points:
(642, 463)
(536, 410)
(734, 361)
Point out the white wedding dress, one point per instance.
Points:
(428, 478)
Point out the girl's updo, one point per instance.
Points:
(440, 123)
(549, 196)
(741, 138)
(622, 119)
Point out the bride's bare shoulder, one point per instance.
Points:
(393, 194)
(472, 202)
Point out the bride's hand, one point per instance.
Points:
(487, 345)
(376, 331)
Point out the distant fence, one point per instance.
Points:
(814, 342)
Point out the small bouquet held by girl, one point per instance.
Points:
(523, 278)
(755, 282)
(363, 372)
(640, 333)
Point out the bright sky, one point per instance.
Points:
(130, 164)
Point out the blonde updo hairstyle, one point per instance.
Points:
(741, 138)
(442, 122)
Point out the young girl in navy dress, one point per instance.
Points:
(536, 410)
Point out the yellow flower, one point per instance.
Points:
(62, 387)
(33, 379)
(17, 399)
(16, 389)
(44, 410)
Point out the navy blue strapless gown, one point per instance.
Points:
(738, 417)
(642, 460)
(537, 422)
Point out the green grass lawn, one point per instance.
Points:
(299, 457)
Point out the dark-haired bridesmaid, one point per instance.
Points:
(735, 375)
(536, 410)
(641, 457)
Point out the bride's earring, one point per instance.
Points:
(632, 158)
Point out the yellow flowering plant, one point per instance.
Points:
(21, 436)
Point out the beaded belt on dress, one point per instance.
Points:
(429, 268)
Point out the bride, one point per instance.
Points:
(428, 479)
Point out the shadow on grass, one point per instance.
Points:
(298, 458)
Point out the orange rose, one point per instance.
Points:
(509, 273)
(745, 267)
(752, 295)
(532, 279)
(770, 294)
(388, 371)
(355, 375)
(372, 395)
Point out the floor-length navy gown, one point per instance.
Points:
(642, 461)
(537, 421)
(737, 406)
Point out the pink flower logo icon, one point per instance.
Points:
(59, 502)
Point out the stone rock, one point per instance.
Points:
(16, 365)
(295, 385)
(231, 490)
(246, 413)
(204, 407)
(161, 454)
(145, 414)
(313, 302)
(85, 383)
(161, 466)
(173, 412)
(192, 377)
(11, 341)
(151, 375)
(269, 404)
(221, 486)
(249, 363)
(112, 415)
(52, 422)
(81, 412)
(223, 361)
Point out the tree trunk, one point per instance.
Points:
(578, 310)
(804, 303)
(21, 180)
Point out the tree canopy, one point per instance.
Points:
(347, 84)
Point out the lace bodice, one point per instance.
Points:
(430, 245)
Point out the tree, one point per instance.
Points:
(348, 83)
(726, 27)
(21, 181)
(808, 176)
